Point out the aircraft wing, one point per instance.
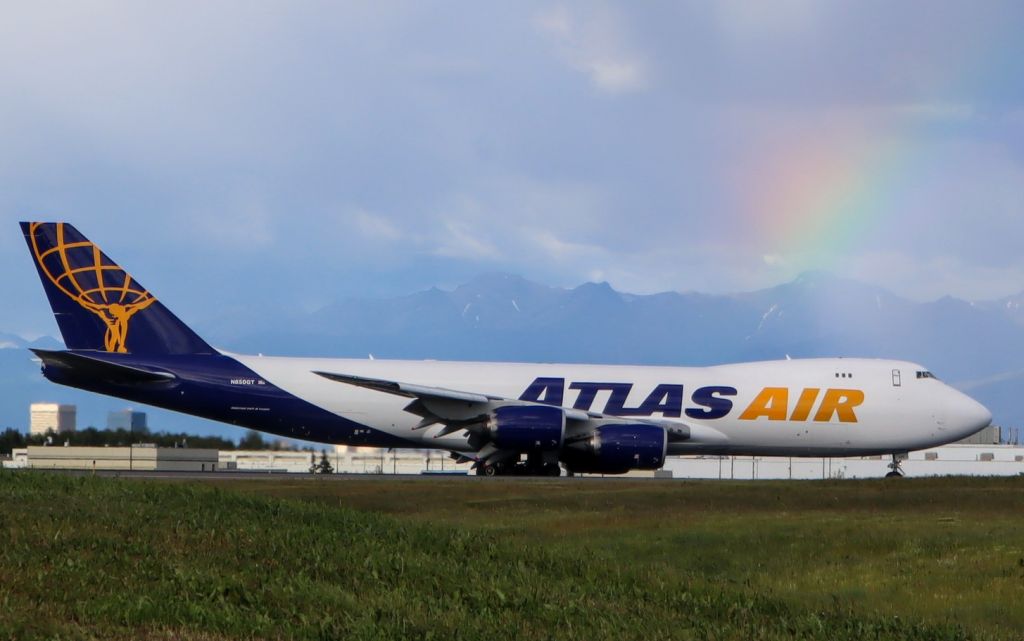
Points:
(457, 410)
(439, 396)
(407, 389)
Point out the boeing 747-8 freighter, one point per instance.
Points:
(506, 417)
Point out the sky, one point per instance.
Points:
(282, 155)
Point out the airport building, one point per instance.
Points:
(127, 419)
(51, 417)
(948, 460)
(136, 457)
(991, 435)
(344, 460)
(981, 454)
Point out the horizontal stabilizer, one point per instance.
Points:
(98, 368)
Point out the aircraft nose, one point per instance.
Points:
(969, 415)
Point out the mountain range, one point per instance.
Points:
(976, 346)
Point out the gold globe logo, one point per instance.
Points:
(81, 271)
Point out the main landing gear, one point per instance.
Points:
(896, 472)
(519, 469)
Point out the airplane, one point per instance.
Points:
(505, 418)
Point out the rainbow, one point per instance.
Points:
(824, 196)
(825, 191)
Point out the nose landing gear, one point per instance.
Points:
(896, 472)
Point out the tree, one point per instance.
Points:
(323, 466)
(252, 440)
(11, 439)
(92, 437)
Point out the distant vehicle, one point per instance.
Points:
(509, 418)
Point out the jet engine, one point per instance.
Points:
(527, 428)
(618, 448)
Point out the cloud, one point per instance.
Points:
(239, 222)
(763, 20)
(400, 146)
(459, 240)
(561, 250)
(592, 40)
(373, 226)
(938, 276)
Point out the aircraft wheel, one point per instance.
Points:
(552, 469)
(895, 471)
(489, 470)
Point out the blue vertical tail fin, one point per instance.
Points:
(98, 305)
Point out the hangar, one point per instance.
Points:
(136, 457)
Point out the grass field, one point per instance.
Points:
(504, 558)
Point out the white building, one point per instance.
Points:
(948, 460)
(344, 459)
(18, 460)
(266, 460)
(51, 417)
(137, 457)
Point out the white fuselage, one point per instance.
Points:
(813, 407)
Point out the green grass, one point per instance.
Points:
(495, 558)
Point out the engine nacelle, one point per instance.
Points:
(619, 448)
(527, 428)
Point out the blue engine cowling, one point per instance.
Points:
(619, 448)
(525, 428)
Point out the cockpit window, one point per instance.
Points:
(926, 374)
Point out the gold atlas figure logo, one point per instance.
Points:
(78, 269)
